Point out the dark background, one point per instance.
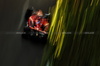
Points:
(15, 51)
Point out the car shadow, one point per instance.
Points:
(35, 40)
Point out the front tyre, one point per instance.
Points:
(26, 32)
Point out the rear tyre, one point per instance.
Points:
(28, 14)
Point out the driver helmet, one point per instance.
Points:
(40, 13)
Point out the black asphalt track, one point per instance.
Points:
(14, 50)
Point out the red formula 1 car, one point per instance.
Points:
(36, 24)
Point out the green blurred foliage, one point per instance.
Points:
(82, 47)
